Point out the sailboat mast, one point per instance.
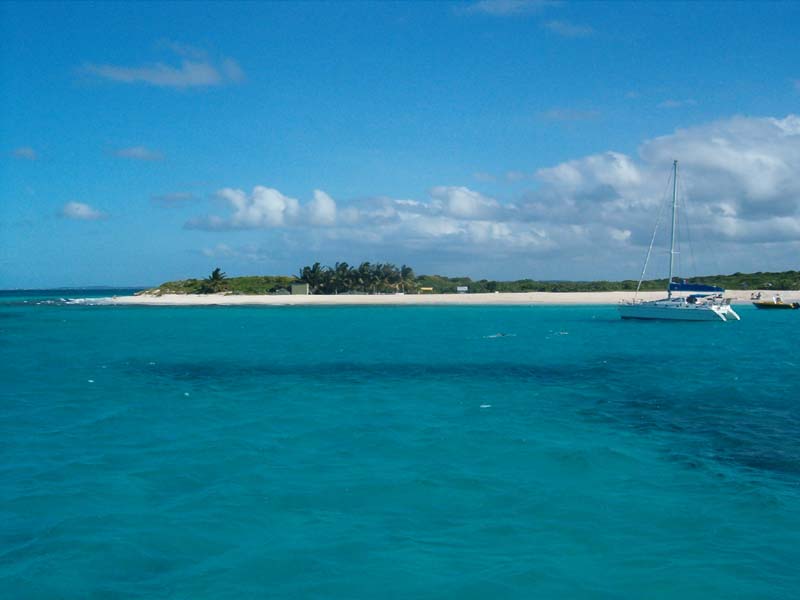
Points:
(674, 224)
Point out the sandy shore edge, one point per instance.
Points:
(504, 298)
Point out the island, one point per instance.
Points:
(386, 284)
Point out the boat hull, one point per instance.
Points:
(676, 312)
(777, 305)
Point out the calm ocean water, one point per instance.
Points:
(408, 452)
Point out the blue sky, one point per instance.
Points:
(503, 139)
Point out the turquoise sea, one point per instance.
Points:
(395, 452)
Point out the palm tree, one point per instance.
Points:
(342, 277)
(407, 278)
(314, 276)
(327, 281)
(389, 277)
(214, 282)
(365, 276)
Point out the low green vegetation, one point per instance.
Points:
(382, 278)
(256, 284)
(786, 280)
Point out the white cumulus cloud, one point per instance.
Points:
(609, 168)
(81, 212)
(263, 208)
(455, 215)
(741, 177)
(592, 216)
(322, 209)
(753, 164)
(462, 202)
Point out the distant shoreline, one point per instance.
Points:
(501, 298)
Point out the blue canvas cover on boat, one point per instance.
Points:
(693, 287)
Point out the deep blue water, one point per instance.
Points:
(396, 452)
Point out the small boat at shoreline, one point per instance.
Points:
(705, 302)
(776, 303)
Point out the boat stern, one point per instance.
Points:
(726, 312)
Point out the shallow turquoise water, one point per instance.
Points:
(400, 452)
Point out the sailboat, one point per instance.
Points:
(704, 302)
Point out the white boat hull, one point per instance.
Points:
(666, 310)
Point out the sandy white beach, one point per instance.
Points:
(518, 298)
